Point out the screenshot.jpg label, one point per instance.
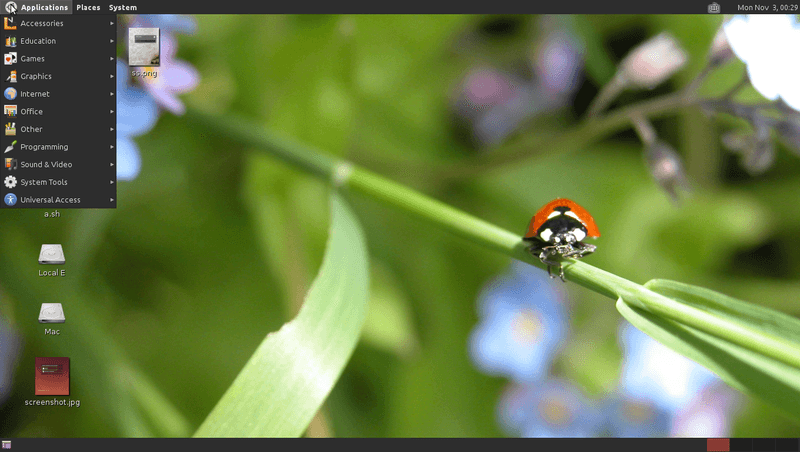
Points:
(59, 108)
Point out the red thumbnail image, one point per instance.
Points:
(718, 444)
(52, 376)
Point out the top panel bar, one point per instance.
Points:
(412, 7)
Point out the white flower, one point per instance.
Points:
(768, 45)
(654, 61)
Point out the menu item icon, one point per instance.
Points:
(10, 147)
(10, 58)
(10, 199)
(11, 164)
(51, 313)
(12, 77)
(10, 182)
(9, 23)
(11, 41)
(10, 110)
(10, 93)
(144, 47)
(11, 129)
(52, 376)
(51, 254)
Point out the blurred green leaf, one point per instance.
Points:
(389, 325)
(291, 373)
(747, 370)
(600, 65)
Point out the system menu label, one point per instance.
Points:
(59, 110)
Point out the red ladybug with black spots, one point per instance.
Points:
(558, 230)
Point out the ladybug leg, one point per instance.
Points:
(579, 250)
(546, 252)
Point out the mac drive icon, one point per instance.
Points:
(144, 47)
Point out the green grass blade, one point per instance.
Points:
(749, 315)
(291, 373)
(746, 370)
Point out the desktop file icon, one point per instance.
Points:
(52, 376)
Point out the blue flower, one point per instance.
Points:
(552, 408)
(523, 323)
(629, 418)
(172, 77)
(709, 414)
(654, 373)
(170, 23)
(557, 60)
(137, 113)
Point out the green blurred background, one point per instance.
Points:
(214, 244)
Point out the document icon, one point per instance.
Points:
(144, 47)
(52, 376)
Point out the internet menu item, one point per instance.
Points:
(59, 111)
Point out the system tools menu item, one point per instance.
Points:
(59, 108)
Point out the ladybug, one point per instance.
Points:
(557, 230)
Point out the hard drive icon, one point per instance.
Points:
(51, 254)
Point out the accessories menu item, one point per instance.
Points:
(51, 254)
(51, 313)
(52, 376)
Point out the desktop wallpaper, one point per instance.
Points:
(266, 153)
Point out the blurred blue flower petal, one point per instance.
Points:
(129, 162)
(137, 113)
(493, 103)
(173, 77)
(709, 415)
(557, 61)
(553, 408)
(653, 373)
(169, 23)
(523, 323)
(629, 418)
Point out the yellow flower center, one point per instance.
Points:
(555, 412)
(527, 327)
